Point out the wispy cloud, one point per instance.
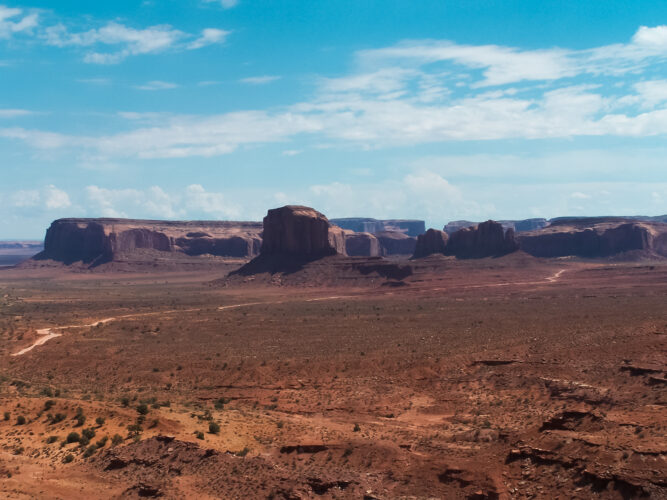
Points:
(260, 80)
(14, 20)
(226, 4)
(14, 113)
(209, 36)
(127, 41)
(157, 85)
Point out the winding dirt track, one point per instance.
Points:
(46, 334)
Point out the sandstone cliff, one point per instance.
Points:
(410, 227)
(488, 239)
(597, 237)
(361, 245)
(302, 232)
(395, 243)
(101, 240)
(431, 242)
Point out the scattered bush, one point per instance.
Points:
(48, 404)
(142, 409)
(125, 402)
(90, 451)
(356, 428)
(73, 437)
(58, 417)
(20, 420)
(116, 440)
(84, 441)
(100, 421)
(7, 415)
(68, 458)
(243, 452)
(199, 434)
(89, 433)
(19, 450)
(214, 428)
(102, 442)
(51, 439)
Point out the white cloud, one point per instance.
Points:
(651, 37)
(152, 202)
(199, 201)
(209, 36)
(95, 81)
(157, 85)
(14, 21)
(226, 4)
(14, 113)
(259, 80)
(48, 198)
(129, 41)
(55, 198)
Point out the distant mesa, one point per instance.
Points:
(96, 241)
(517, 225)
(410, 227)
(394, 243)
(488, 239)
(431, 242)
(596, 238)
(362, 245)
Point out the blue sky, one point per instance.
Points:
(439, 110)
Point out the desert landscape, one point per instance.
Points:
(301, 359)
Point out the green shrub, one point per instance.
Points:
(102, 442)
(100, 421)
(125, 401)
(89, 433)
(213, 427)
(7, 415)
(142, 409)
(80, 419)
(20, 420)
(356, 428)
(199, 434)
(84, 441)
(116, 440)
(73, 437)
(90, 450)
(68, 458)
(243, 452)
(48, 404)
(51, 439)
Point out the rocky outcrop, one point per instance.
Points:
(102, 240)
(592, 238)
(431, 242)
(301, 232)
(517, 225)
(488, 239)
(411, 227)
(361, 245)
(395, 243)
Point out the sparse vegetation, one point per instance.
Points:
(213, 428)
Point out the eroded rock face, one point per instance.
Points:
(396, 243)
(302, 232)
(361, 245)
(584, 238)
(488, 239)
(411, 227)
(101, 240)
(431, 242)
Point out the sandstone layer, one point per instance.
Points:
(395, 243)
(301, 231)
(102, 240)
(431, 242)
(596, 237)
(410, 227)
(361, 245)
(488, 239)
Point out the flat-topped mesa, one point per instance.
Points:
(301, 232)
(411, 227)
(431, 242)
(596, 237)
(101, 240)
(488, 239)
(517, 225)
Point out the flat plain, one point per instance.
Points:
(513, 377)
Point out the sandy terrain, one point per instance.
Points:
(498, 378)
